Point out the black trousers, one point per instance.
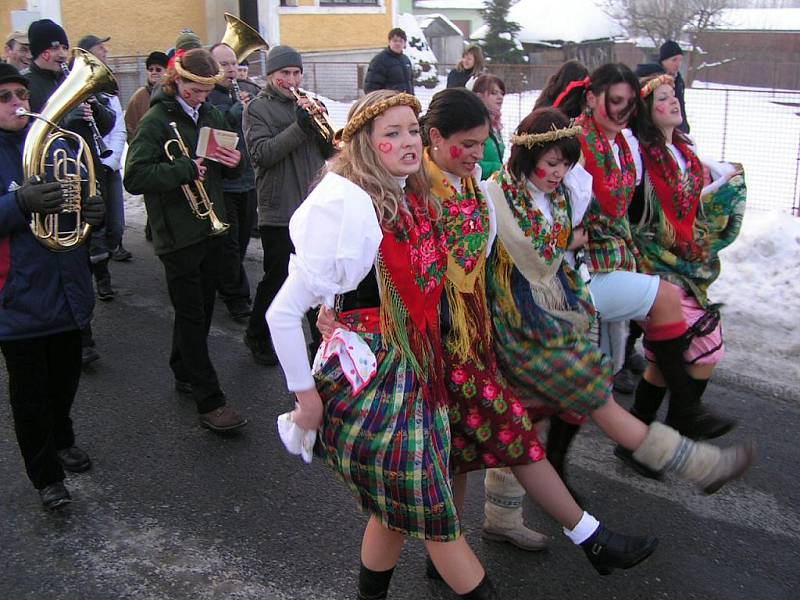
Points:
(240, 213)
(192, 279)
(277, 247)
(43, 377)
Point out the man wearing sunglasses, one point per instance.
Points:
(46, 300)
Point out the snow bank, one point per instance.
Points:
(759, 287)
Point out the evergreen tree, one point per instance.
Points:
(499, 45)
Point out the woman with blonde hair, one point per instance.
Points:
(468, 68)
(369, 241)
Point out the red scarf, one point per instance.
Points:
(677, 193)
(612, 185)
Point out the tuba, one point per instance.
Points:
(45, 157)
(243, 40)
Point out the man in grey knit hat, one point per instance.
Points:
(287, 154)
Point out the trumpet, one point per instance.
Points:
(322, 122)
(195, 192)
(99, 145)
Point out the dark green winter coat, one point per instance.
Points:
(148, 171)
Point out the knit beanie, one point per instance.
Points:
(187, 40)
(280, 57)
(10, 74)
(668, 50)
(45, 34)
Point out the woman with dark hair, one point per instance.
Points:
(541, 309)
(611, 98)
(669, 228)
(571, 71)
(492, 90)
(490, 428)
(469, 67)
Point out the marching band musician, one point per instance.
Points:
(240, 194)
(287, 154)
(50, 50)
(47, 299)
(192, 258)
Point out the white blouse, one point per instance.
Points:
(336, 236)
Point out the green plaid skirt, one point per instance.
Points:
(545, 359)
(390, 444)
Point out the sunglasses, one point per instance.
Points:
(7, 95)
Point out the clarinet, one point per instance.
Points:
(99, 145)
(237, 92)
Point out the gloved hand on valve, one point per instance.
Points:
(93, 210)
(36, 196)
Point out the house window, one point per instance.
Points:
(349, 2)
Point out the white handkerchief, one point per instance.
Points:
(359, 364)
(297, 441)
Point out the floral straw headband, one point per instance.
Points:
(655, 83)
(529, 140)
(366, 115)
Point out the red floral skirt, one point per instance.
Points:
(489, 426)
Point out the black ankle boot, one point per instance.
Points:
(607, 550)
(559, 439)
(686, 413)
(484, 591)
(373, 585)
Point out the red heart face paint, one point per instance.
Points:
(540, 173)
(385, 147)
(456, 152)
(661, 109)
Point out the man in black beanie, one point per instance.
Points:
(50, 49)
(287, 154)
(670, 56)
(47, 299)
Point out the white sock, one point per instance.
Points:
(583, 530)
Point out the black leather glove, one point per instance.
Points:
(93, 210)
(36, 196)
(304, 119)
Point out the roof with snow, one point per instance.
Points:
(759, 19)
(426, 21)
(563, 21)
(450, 4)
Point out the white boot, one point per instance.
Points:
(503, 510)
(710, 467)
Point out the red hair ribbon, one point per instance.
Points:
(178, 54)
(582, 83)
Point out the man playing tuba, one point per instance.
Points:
(184, 230)
(40, 323)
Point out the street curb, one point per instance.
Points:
(755, 384)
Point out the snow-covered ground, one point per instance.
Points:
(760, 287)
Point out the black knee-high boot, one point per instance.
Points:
(484, 591)
(686, 413)
(645, 408)
(559, 439)
(373, 585)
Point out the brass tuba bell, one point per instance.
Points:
(241, 38)
(45, 156)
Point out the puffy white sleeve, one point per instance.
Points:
(633, 144)
(579, 183)
(483, 185)
(336, 236)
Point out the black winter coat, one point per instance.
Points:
(389, 71)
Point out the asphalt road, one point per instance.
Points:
(171, 510)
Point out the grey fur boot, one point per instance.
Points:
(710, 467)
